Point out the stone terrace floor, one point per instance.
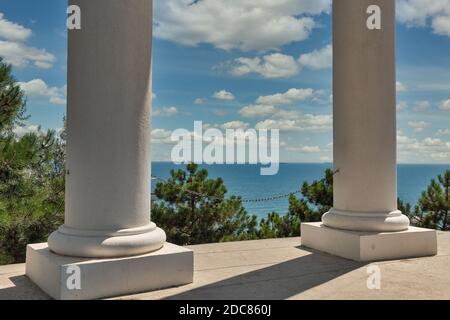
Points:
(281, 269)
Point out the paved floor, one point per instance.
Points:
(281, 269)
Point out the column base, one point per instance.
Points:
(106, 244)
(367, 221)
(369, 246)
(102, 278)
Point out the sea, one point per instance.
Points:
(245, 181)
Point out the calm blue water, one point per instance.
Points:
(246, 181)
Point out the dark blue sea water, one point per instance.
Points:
(246, 181)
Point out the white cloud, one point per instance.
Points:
(424, 151)
(445, 105)
(422, 13)
(441, 156)
(199, 101)
(422, 105)
(278, 65)
(302, 122)
(235, 125)
(15, 52)
(431, 142)
(400, 87)
(237, 24)
(304, 149)
(166, 112)
(254, 111)
(441, 25)
(270, 66)
(21, 131)
(443, 132)
(402, 105)
(21, 55)
(13, 31)
(223, 95)
(161, 136)
(317, 59)
(288, 97)
(419, 126)
(37, 88)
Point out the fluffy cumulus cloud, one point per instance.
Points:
(317, 59)
(237, 24)
(274, 65)
(422, 105)
(297, 121)
(422, 13)
(15, 51)
(166, 112)
(271, 116)
(400, 87)
(199, 101)
(13, 31)
(443, 132)
(445, 105)
(288, 97)
(38, 89)
(254, 111)
(265, 24)
(161, 136)
(278, 65)
(20, 131)
(426, 150)
(419, 126)
(235, 125)
(223, 95)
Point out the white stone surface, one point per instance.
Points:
(171, 266)
(369, 246)
(364, 120)
(275, 269)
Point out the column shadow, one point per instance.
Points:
(276, 282)
(23, 289)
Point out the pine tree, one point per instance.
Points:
(317, 198)
(12, 102)
(433, 207)
(193, 209)
(31, 176)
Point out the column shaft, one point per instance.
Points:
(108, 127)
(364, 112)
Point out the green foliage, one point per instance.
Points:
(432, 210)
(12, 102)
(193, 209)
(404, 207)
(317, 199)
(31, 177)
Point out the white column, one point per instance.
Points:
(107, 210)
(364, 77)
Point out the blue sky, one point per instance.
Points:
(247, 64)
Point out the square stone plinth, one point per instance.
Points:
(71, 278)
(369, 246)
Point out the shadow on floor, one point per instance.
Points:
(276, 282)
(22, 289)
